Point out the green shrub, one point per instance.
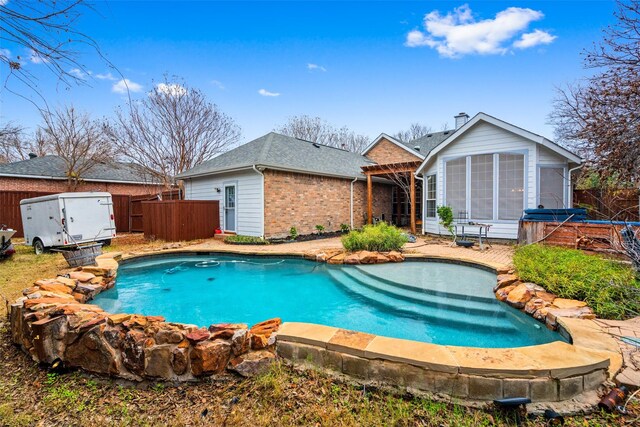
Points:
(320, 228)
(344, 228)
(609, 287)
(245, 240)
(293, 233)
(381, 237)
(445, 213)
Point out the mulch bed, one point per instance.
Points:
(308, 237)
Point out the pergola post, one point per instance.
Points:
(413, 203)
(369, 200)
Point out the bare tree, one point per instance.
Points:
(78, 139)
(172, 129)
(47, 31)
(15, 145)
(415, 131)
(11, 142)
(315, 129)
(599, 117)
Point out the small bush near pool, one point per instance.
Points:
(609, 287)
(245, 240)
(381, 237)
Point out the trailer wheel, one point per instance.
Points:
(106, 242)
(38, 247)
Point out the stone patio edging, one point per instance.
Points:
(55, 325)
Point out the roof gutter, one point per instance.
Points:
(351, 204)
(570, 184)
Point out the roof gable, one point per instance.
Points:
(394, 141)
(503, 125)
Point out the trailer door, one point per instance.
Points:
(88, 218)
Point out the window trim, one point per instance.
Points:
(426, 196)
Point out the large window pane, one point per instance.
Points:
(481, 187)
(510, 186)
(456, 185)
(552, 188)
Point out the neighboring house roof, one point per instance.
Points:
(54, 167)
(281, 152)
(429, 142)
(503, 125)
(405, 146)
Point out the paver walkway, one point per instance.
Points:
(496, 256)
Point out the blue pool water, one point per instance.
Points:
(423, 301)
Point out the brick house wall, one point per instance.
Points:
(304, 201)
(60, 186)
(386, 151)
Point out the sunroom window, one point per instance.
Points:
(481, 187)
(456, 185)
(510, 186)
(551, 187)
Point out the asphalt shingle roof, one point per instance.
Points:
(428, 142)
(54, 167)
(285, 152)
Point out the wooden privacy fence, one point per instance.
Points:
(125, 208)
(178, 220)
(616, 204)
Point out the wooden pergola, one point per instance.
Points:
(392, 169)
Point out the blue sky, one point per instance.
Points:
(376, 66)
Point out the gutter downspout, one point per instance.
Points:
(263, 197)
(351, 204)
(415, 175)
(569, 191)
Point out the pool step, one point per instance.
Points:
(465, 296)
(443, 300)
(431, 314)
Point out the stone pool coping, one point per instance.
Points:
(549, 372)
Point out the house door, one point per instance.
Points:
(230, 207)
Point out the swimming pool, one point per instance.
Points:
(432, 302)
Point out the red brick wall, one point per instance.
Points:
(387, 152)
(304, 201)
(54, 186)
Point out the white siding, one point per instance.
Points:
(481, 139)
(250, 205)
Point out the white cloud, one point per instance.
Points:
(5, 52)
(536, 38)
(124, 84)
(172, 89)
(458, 33)
(77, 72)
(36, 58)
(265, 92)
(315, 67)
(218, 84)
(106, 76)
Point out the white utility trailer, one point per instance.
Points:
(67, 219)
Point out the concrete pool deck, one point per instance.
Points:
(497, 256)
